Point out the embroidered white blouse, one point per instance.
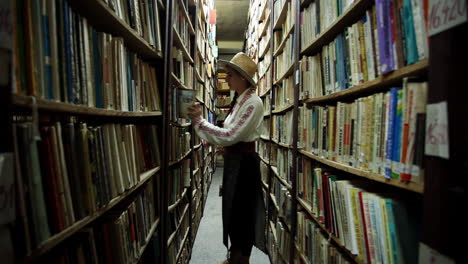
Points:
(243, 124)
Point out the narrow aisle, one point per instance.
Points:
(208, 247)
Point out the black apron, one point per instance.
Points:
(242, 176)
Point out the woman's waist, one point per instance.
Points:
(241, 147)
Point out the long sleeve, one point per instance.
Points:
(244, 126)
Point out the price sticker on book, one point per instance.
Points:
(446, 14)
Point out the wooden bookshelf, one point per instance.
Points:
(66, 108)
(283, 181)
(410, 186)
(187, 17)
(354, 12)
(182, 244)
(154, 226)
(263, 52)
(382, 82)
(173, 206)
(283, 109)
(266, 25)
(180, 159)
(58, 238)
(104, 18)
(184, 213)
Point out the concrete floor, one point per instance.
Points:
(208, 247)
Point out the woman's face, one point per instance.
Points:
(234, 79)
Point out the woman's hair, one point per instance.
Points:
(233, 102)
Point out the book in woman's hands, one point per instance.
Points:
(185, 99)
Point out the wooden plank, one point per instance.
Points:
(22, 101)
(410, 186)
(282, 16)
(186, 15)
(178, 43)
(281, 46)
(283, 110)
(379, 84)
(288, 72)
(173, 206)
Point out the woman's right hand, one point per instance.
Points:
(194, 111)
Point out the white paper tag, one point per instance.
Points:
(428, 255)
(446, 14)
(437, 136)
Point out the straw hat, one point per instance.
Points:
(244, 65)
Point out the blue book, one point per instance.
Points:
(393, 237)
(384, 32)
(390, 132)
(341, 62)
(397, 130)
(410, 35)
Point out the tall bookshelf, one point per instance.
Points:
(83, 167)
(190, 69)
(331, 88)
(104, 168)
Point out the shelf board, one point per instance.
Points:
(262, 13)
(283, 181)
(273, 199)
(199, 78)
(173, 206)
(178, 42)
(410, 186)
(288, 72)
(263, 52)
(187, 17)
(197, 146)
(180, 159)
(336, 240)
(147, 240)
(264, 138)
(178, 224)
(279, 22)
(56, 239)
(350, 16)
(283, 109)
(55, 106)
(103, 18)
(182, 244)
(266, 26)
(378, 84)
(178, 82)
(281, 46)
(266, 92)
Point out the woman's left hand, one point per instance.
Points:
(194, 111)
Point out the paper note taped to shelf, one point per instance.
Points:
(446, 14)
(7, 189)
(428, 255)
(437, 136)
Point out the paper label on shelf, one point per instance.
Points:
(297, 77)
(446, 14)
(428, 255)
(7, 189)
(437, 136)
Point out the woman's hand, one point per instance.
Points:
(195, 110)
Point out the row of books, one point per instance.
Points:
(266, 128)
(318, 16)
(264, 172)
(373, 223)
(143, 17)
(179, 240)
(264, 83)
(284, 60)
(282, 127)
(380, 42)
(262, 149)
(179, 179)
(74, 63)
(286, 26)
(119, 236)
(263, 44)
(383, 133)
(283, 161)
(283, 201)
(313, 245)
(182, 68)
(284, 93)
(264, 66)
(70, 170)
(180, 143)
(181, 24)
(277, 7)
(223, 100)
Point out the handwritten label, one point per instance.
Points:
(446, 14)
(7, 189)
(437, 137)
(428, 255)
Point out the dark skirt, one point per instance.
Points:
(244, 212)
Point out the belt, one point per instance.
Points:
(241, 147)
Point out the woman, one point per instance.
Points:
(243, 207)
